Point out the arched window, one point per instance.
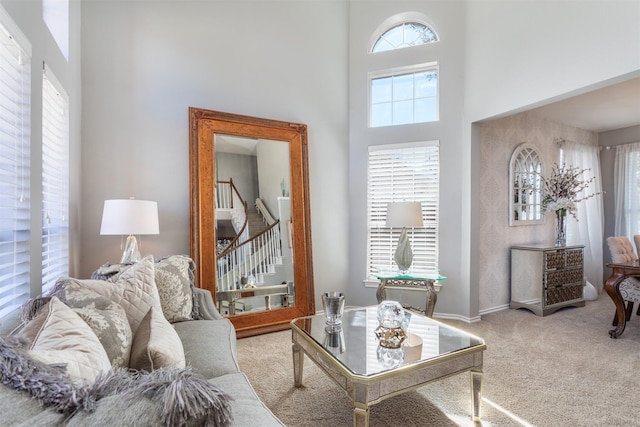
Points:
(525, 189)
(405, 34)
(407, 93)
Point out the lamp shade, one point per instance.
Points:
(404, 214)
(129, 217)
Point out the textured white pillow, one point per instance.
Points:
(61, 337)
(156, 344)
(135, 290)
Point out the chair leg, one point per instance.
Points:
(638, 312)
(628, 310)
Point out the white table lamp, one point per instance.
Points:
(404, 214)
(130, 217)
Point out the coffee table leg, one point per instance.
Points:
(361, 417)
(298, 362)
(476, 394)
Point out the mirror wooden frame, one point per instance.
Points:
(203, 125)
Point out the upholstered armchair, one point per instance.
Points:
(622, 251)
(637, 240)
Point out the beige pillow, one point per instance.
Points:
(135, 290)
(60, 337)
(156, 344)
(174, 277)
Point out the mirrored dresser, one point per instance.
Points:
(545, 279)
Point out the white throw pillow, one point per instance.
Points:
(61, 337)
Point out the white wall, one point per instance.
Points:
(145, 63)
(27, 14)
(527, 52)
(273, 168)
(499, 138)
(448, 19)
(497, 58)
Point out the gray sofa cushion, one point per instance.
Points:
(247, 408)
(18, 409)
(209, 346)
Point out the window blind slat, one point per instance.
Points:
(15, 110)
(402, 173)
(55, 181)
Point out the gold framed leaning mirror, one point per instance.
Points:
(250, 231)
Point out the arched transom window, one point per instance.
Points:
(403, 35)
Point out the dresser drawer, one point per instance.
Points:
(555, 260)
(559, 278)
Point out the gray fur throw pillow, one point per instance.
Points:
(179, 396)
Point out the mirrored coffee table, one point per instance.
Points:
(369, 373)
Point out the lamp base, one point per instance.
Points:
(404, 255)
(131, 254)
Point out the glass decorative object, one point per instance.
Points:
(389, 330)
(333, 306)
(561, 228)
(390, 357)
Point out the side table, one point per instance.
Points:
(546, 278)
(419, 283)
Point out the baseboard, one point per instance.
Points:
(494, 309)
(449, 316)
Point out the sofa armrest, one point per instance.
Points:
(206, 307)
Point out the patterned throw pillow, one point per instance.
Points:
(174, 279)
(108, 320)
(60, 337)
(156, 344)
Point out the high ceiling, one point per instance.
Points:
(612, 107)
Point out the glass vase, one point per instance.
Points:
(561, 228)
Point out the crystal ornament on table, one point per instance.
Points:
(389, 331)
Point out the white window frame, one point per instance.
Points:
(408, 185)
(394, 21)
(15, 164)
(402, 71)
(55, 180)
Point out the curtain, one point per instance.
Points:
(626, 183)
(589, 229)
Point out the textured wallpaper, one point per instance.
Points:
(498, 139)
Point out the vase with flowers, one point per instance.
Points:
(563, 190)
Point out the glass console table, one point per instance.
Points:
(392, 285)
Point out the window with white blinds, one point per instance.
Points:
(397, 173)
(55, 181)
(15, 110)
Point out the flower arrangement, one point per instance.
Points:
(564, 188)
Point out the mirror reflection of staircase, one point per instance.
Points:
(250, 273)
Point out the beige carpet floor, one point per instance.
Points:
(558, 370)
